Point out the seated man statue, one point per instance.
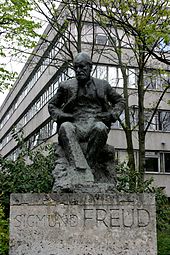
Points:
(84, 109)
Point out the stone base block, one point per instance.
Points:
(82, 224)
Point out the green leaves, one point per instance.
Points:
(148, 20)
(6, 78)
(162, 205)
(31, 172)
(17, 29)
(4, 233)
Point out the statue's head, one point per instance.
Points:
(82, 66)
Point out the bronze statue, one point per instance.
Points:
(84, 109)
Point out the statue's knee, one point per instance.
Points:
(66, 126)
(101, 127)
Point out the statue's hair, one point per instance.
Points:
(82, 56)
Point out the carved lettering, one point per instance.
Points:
(52, 221)
(128, 217)
(73, 220)
(40, 220)
(114, 218)
(101, 216)
(64, 218)
(17, 220)
(143, 217)
(87, 215)
(31, 221)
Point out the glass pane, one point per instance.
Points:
(132, 78)
(87, 33)
(149, 80)
(117, 123)
(167, 162)
(154, 123)
(165, 121)
(120, 78)
(102, 72)
(151, 164)
(112, 76)
(54, 128)
(101, 39)
(133, 115)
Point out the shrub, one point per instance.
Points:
(123, 185)
(4, 235)
(31, 172)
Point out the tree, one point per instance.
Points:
(73, 30)
(17, 33)
(145, 25)
(147, 21)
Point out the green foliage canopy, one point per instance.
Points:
(147, 21)
(17, 31)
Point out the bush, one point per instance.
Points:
(31, 172)
(123, 185)
(4, 235)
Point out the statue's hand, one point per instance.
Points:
(115, 116)
(104, 117)
(63, 117)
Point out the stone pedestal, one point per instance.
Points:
(82, 224)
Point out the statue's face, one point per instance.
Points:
(82, 70)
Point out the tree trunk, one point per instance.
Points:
(131, 160)
(141, 132)
(128, 132)
(79, 27)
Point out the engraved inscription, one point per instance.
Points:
(143, 217)
(106, 217)
(50, 220)
(116, 217)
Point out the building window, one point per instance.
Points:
(112, 75)
(152, 161)
(132, 78)
(153, 79)
(35, 140)
(167, 162)
(101, 39)
(101, 72)
(54, 128)
(151, 164)
(154, 124)
(164, 120)
(120, 78)
(157, 162)
(117, 124)
(112, 41)
(149, 80)
(87, 33)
